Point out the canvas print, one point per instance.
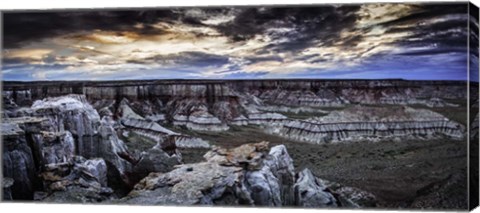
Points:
(330, 106)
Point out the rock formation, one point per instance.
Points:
(311, 192)
(55, 133)
(77, 181)
(245, 175)
(18, 163)
(360, 123)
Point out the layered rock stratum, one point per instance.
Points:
(370, 123)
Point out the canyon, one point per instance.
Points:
(199, 141)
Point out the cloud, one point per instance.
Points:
(239, 42)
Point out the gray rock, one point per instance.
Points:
(78, 181)
(245, 175)
(74, 114)
(272, 185)
(371, 123)
(310, 192)
(154, 160)
(54, 147)
(352, 197)
(6, 184)
(205, 183)
(18, 164)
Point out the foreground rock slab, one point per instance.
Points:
(246, 175)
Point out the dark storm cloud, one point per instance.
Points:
(433, 52)
(447, 32)
(303, 25)
(21, 28)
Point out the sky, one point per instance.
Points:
(365, 41)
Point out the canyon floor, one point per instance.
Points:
(398, 173)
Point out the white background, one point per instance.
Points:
(70, 208)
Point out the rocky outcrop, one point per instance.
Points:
(312, 192)
(201, 183)
(110, 148)
(94, 137)
(154, 160)
(352, 197)
(54, 147)
(240, 176)
(370, 123)
(18, 162)
(80, 181)
(245, 175)
(71, 113)
(272, 184)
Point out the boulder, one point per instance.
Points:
(311, 192)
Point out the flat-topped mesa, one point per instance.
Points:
(370, 123)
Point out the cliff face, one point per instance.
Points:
(296, 92)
